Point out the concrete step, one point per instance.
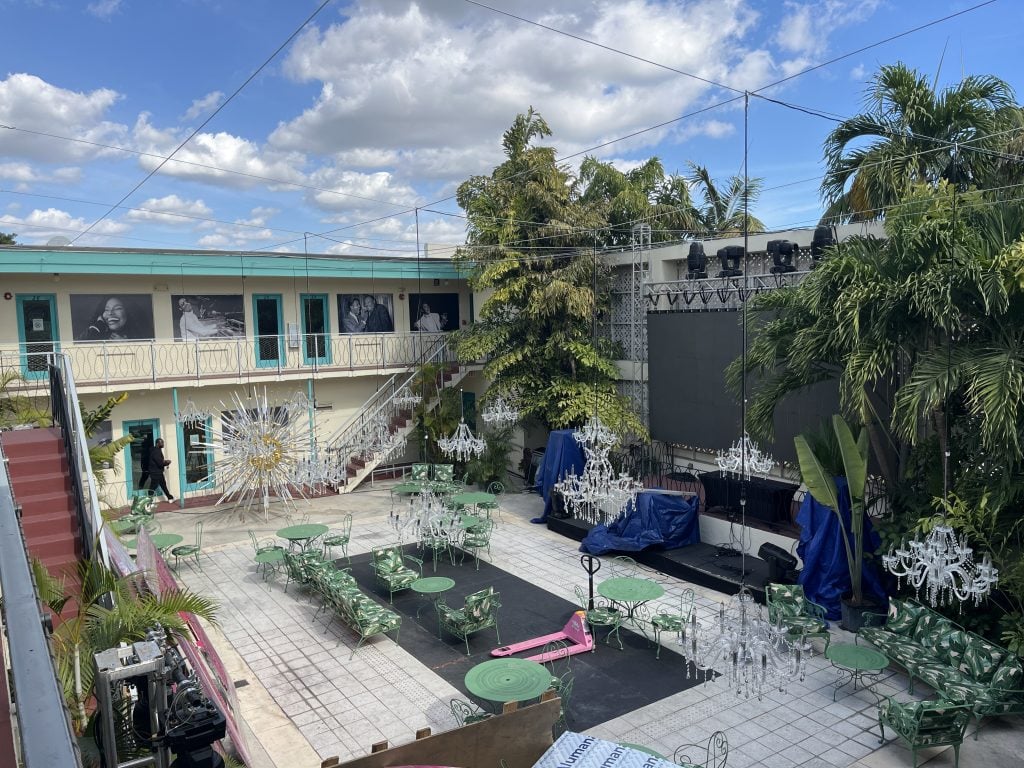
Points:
(55, 550)
(32, 442)
(42, 483)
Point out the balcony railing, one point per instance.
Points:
(222, 360)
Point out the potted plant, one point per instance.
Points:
(822, 486)
(492, 464)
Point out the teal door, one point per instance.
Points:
(269, 322)
(144, 433)
(316, 323)
(37, 333)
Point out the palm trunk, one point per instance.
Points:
(79, 699)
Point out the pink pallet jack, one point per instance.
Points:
(574, 631)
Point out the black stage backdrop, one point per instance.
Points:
(690, 403)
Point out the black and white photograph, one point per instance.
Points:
(111, 316)
(433, 312)
(207, 316)
(366, 313)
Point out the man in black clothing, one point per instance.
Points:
(157, 463)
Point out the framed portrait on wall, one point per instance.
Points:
(111, 316)
(433, 312)
(366, 313)
(205, 316)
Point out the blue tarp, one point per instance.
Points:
(825, 576)
(658, 520)
(562, 454)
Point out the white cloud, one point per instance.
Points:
(208, 103)
(25, 173)
(39, 226)
(170, 209)
(104, 9)
(858, 73)
(805, 28)
(244, 232)
(28, 102)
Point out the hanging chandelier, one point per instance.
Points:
(598, 487)
(427, 514)
(382, 441)
(461, 446)
(191, 414)
(753, 655)
(404, 398)
(744, 457)
(499, 412)
(943, 567)
(596, 435)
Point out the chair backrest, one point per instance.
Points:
(581, 597)
(496, 488)
(784, 600)
(622, 565)
(558, 657)
(718, 750)
(481, 606)
(420, 471)
(481, 533)
(199, 534)
(444, 473)
(686, 603)
(255, 541)
(346, 525)
(387, 559)
(935, 717)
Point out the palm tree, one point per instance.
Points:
(724, 208)
(109, 610)
(910, 133)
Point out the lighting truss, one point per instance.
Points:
(753, 655)
(943, 567)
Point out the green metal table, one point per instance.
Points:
(504, 680)
(632, 593)
(431, 588)
(270, 558)
(409, 487)
(162, 541)
(853, 663)
(303, 534)
(472, 498)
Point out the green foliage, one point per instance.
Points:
(437, 421)
(492, 465)
(8, 238)
(726, 210)
(16, 408)
(531, 248)
(912, 134)
(822, 486)
(104, 456)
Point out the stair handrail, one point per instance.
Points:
(68, 415)
(382, 401)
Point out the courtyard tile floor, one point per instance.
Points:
(340, 706)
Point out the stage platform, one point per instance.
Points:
(700, 563)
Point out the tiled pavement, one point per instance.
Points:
(342, 705)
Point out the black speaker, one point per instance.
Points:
(824, 237)
(731, 257)
(696, 262)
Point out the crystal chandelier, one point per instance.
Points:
(426, 514)
(943, 565)
(404, 398)
(753, 655)
(596, 435)
(191, 414)
(744, 457)
(499, 412)
(598, 486)
(382, 442)
(461, 446)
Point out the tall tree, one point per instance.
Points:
(531, 248)
(911, 133)
(726, 209)
(8, 238)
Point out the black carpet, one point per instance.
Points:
(607, 684)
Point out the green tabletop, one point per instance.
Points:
(432, 585)
(504, 680)
(629, 589)
(408, 488)
(641, 748)
(855, 657)
(473, 497)
(270, 556)
(303, 531)
(161, 541)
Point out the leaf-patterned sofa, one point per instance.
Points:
(960, 665)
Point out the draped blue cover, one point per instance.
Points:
(825, 576)
(562, 454)
(658, 520)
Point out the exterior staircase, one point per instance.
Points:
(347, 445)
(41, 482)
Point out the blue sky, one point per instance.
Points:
(380, 107)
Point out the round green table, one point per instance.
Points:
(631, 592)
(304, 533)
(162, 541)
(431, 588)
(853, 663)
(504, 680)
(270, 558)
(472, 498)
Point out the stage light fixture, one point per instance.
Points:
(731, 257)
(783, 253)
(824, 236)
(696, 262)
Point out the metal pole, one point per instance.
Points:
(591, 565)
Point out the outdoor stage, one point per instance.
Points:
(703, 564)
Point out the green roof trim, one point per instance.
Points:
(96, 261)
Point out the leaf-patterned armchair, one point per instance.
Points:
(788, 606)
(479, 612)
(421, 473)
(389, 567)
(925, 724)
(366, 617)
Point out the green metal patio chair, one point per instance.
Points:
(420, 473)
(715, 753)
(790, 608)
(479, 612)
(190, 550)
(466, 712)
(476, 539)
(601, 615)
(444, 473)
(495, 489)
(667, 620)
(339, 537)
(923, 724)
(389, 568)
